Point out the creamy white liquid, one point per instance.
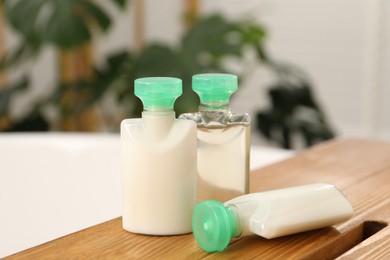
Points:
(159, 173)
(223, 162)
(286, 211)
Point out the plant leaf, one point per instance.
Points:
(107, 75)
(97, 14)
(64, 23)
(213, 36)
(157, 59)
(120, 3)
(23, 15)
(252, 33)
(65, 28)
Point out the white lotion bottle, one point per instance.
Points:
(158, 162)
(269, 214)
(223, 139)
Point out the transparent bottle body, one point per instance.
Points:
(222, 154)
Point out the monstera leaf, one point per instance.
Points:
(66, 24)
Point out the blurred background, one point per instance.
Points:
(308, 70)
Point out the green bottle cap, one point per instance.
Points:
(213, 225)
(158, 93)
(214, 88)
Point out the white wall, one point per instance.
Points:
(342, 44)
(384, 104)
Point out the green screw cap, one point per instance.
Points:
(215, 88)
(158, 93)
(213, 225)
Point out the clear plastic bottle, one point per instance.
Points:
(223, 139)
(159, 162)
(269, 214)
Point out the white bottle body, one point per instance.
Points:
(287, 211)
(159, 173)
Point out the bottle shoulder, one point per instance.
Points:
(131, 121)
(242, 118)
(157, 132)
(195, 117)
(215, 118)
(137, 122)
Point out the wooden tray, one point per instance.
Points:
(359, 168)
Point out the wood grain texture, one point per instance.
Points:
(359, 168)
(375, 247)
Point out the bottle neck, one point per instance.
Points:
(214, 114)
(157, 124)
(235, 217)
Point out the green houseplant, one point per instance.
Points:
(294, 112)
(202, 48)
(69, 26)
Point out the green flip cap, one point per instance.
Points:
(213, 225)
(158, 93)
(214, 88)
